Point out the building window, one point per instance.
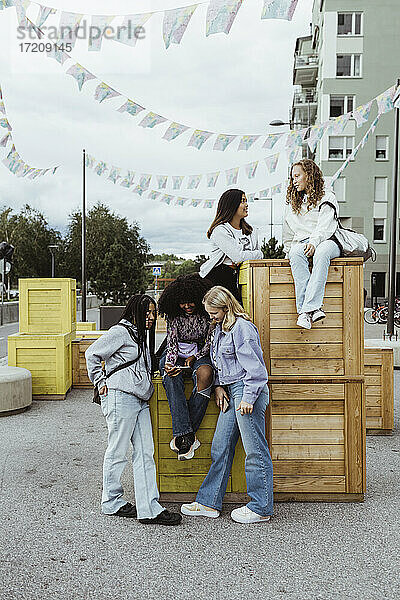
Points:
(379, 230)
(382, 147)
(348, 65)
(340, 105)
(340, 146)
(378, 285)
(339, 187)
(349, 24)
(380, 194)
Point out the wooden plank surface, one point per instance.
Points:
(284, 274)
(327, 483)
(184, 483)
(307, 366)
(298, 335)
(308, 350)
(286, 290)
(387, 391)
(353, 322)
(355, 456)
(288, 321)
(307, 451)
(308, 407)
(288, 305)
(307, 436)
(318, 391)
(306, 422)
(309, 467)
(261, 312)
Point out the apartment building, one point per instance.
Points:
(350, 57)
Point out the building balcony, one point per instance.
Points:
(305, 70)
(304, 96)
(304, 113)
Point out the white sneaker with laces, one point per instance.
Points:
(195, 509)
(317, 315)
(190, 453)
(245, 515)
(304, 321)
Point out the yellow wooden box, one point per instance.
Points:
(48, 358)
(47, 305)
(334, 346)
(86, 326)
(379, 397)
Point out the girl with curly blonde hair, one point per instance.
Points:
(308, 228)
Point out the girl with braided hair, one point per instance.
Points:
(125, 387)
(308, 226)
(187, 353)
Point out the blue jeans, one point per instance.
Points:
(310, 287)
(187, 415)
(258, 463)
(128, 421)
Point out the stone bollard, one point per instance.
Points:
(15, 390)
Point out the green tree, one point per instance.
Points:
(116, 254)
(30, 234)
(271, 249)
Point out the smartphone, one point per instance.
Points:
(225, 405)
(185, 368)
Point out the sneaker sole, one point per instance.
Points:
(198, 513)
(250, 522)
(318, 319)
(189, 455)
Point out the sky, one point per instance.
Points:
(236, 83)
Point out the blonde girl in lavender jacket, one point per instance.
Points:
(308, 226)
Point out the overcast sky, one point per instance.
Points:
(227, 84)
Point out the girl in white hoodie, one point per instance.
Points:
(308, 226)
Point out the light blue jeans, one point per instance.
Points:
(128, 421)
(310, 287)
(258, 463)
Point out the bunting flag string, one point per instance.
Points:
(124, 29)
(13, 161)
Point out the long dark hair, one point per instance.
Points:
(315, 186)
(186, 288)
(226, 209)
(135, 312)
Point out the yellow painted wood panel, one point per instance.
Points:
(320, 391)
(163, 408)
(288, 305)
(188, 390)
(172, 466)
(47, 305)
(330, 366)
(183, 483)
(309, 451)
(209, 421)
(307, 422)
(306, 336)
(203, 452)
(284, 483)
(288, 321)
(308, 407)
(309, 467)
(301, 351)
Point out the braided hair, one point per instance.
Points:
(135, 312)
(186, 288)
(315, 186)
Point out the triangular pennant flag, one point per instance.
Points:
(174, 130)
(43, 15)
(177, 182)
(114, 174)
(212, 179)
(20, 8)
(4, 141)
(167, 198)
(162, 181)
(127, 181)
(59, 55)
(143, 185)
(361, 113)
(153, 195)
(175, 23)
(264, 193)
(2, 107)
(315, 135)
(296, 137)
(193, 182)
(101, 168)
(81, 74)
(68, 28)
(127, 33)
(272, 162)
(180, 201)
(199, 137)
(223, 140)
(294, 154)
(251, 169)
(98, 27)
(4, 123)
(151, 120)
(337, 126)
(90, 161)
(271, 140)
(220, 15)
(232, 176)
(195, 202)
(276, 189)
(208, 203)
(250, 197)
(247, 141)
(279, 9)
(131, 107)
(385, 100)
(104, 92)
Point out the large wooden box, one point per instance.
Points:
(48, 358)
(86, 326)
(334, 346)
(80, 377)
(47, 306)
(379, 390)
(316, 435)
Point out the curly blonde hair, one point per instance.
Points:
(315, 186)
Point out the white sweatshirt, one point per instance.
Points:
(317, 225)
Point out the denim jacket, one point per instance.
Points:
(237, 356)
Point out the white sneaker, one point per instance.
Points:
(245, 515)
(317, 315)
(195, 509)
(304, 321)
(190, 453)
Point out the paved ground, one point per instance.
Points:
(55, 544)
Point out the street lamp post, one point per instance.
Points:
(53, 248)
(83, 293)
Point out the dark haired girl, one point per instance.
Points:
(233, 241)
(186, 353)
(309, 223)
(125, 392)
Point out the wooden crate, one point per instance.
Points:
(316, 435)
(48, 358)
(47, 306)
(378, 370)
(334, 346)
(80, 377)
(86, 326)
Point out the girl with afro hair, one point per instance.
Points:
(187, 353)
(309, 226)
